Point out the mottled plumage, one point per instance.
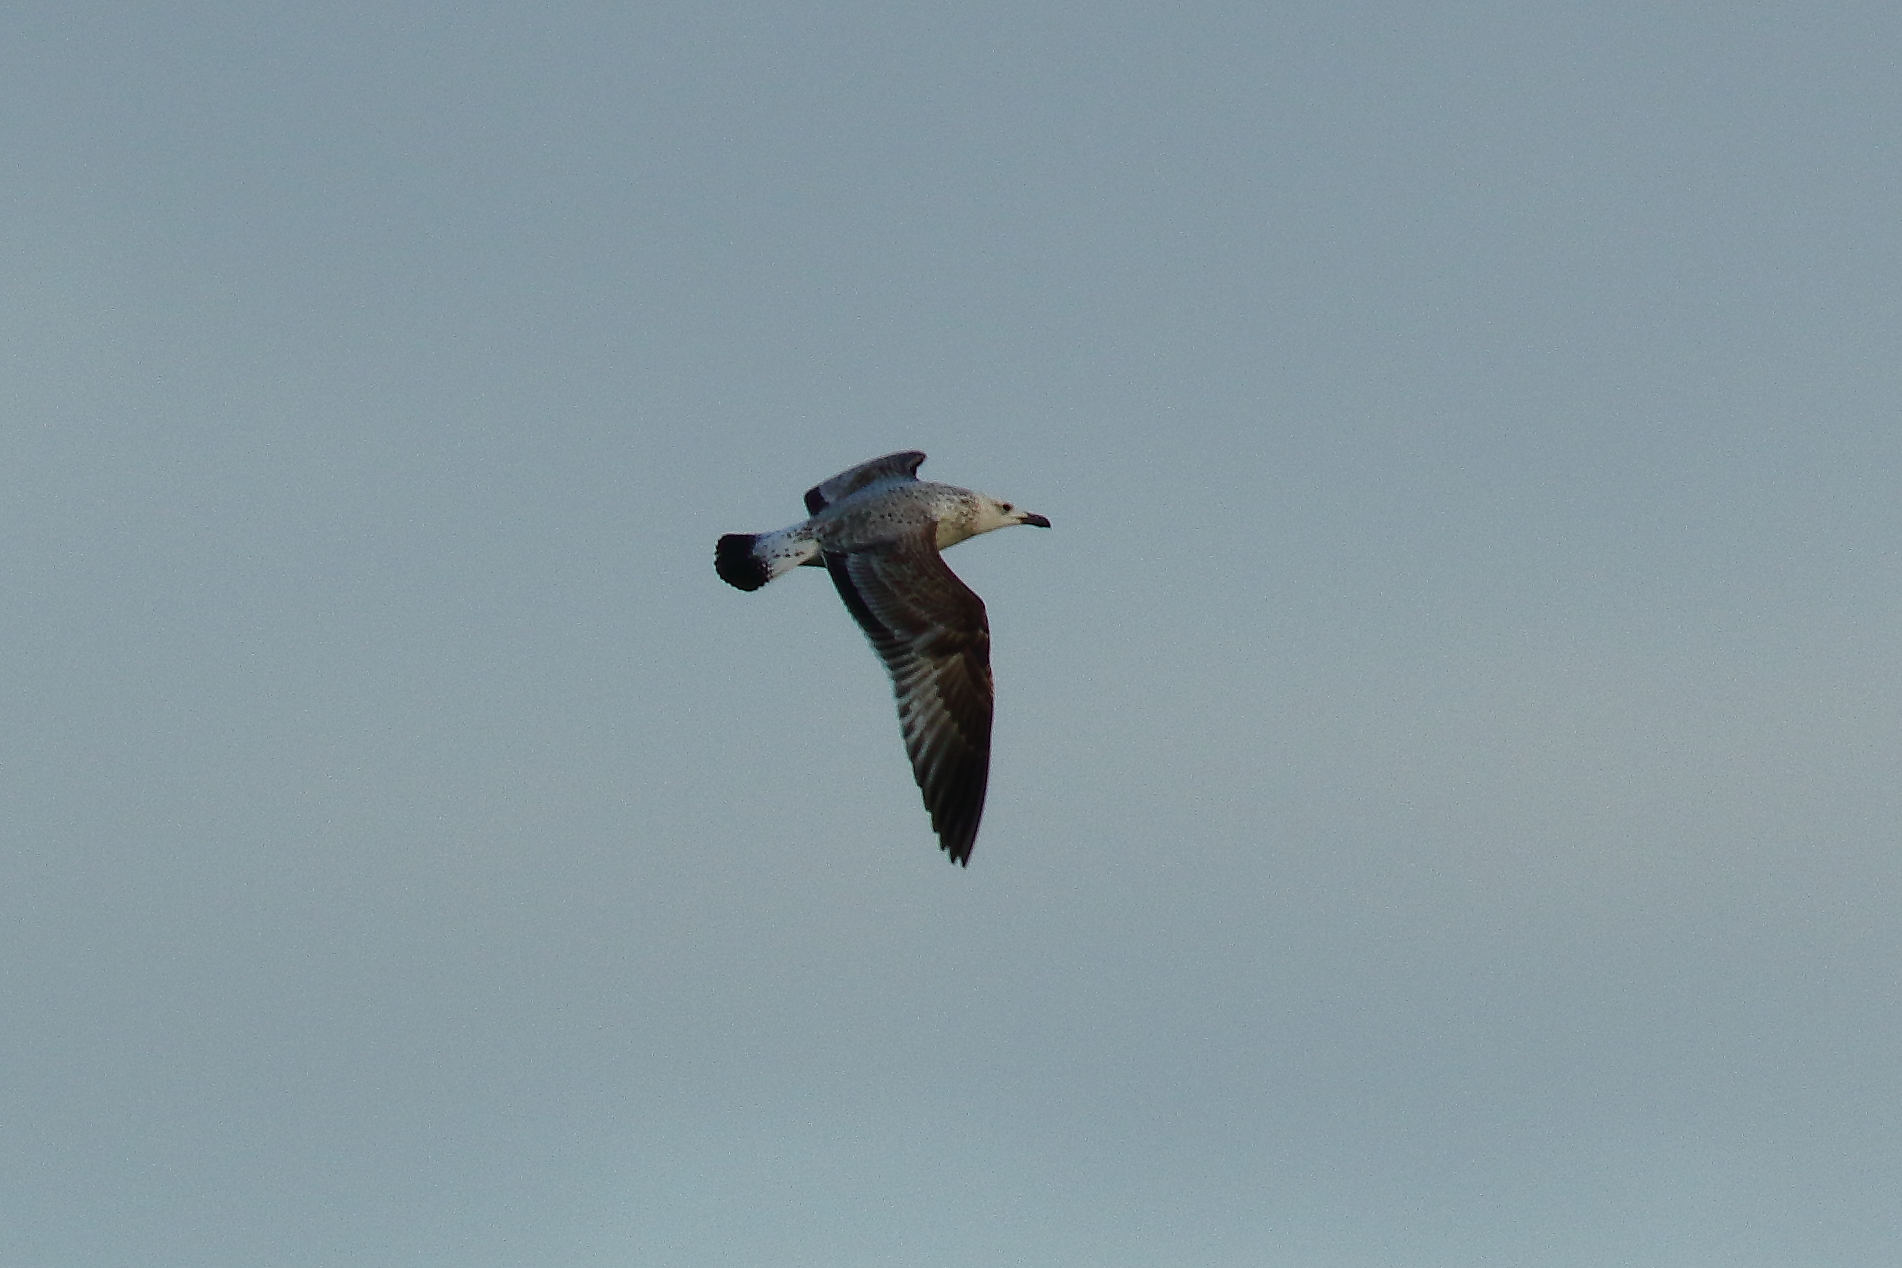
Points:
(878, 530)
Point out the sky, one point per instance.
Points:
(1448, 753)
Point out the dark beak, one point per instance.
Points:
(1038, 520)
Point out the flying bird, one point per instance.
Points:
(878, 530)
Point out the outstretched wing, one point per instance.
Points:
(893, 466)
(931, 632)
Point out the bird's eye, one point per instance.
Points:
(1009, 507)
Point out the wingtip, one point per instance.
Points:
(957, 839)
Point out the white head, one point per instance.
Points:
(994, 514)
(980, 514)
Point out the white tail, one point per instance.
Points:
(750, 560)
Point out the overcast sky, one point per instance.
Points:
(1448, 763)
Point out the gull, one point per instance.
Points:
(878, 530)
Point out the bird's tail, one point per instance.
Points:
(750, 560)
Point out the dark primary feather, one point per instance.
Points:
(931, 632)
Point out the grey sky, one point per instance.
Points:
(1447, 769)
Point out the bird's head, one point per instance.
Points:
(994, 514)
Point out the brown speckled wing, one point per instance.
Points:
(932, 633)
